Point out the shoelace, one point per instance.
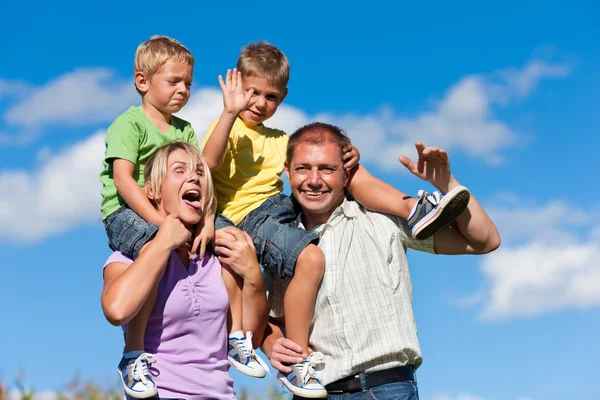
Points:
(247, 350)
(140, 367)
(434, 198)
(308, 366)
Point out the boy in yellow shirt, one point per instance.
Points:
(247, 160)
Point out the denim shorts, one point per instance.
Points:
(273, 229)
(128, 232)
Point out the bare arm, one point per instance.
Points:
(236, 250)
(126, 287)
(131, 192)
(234, 101)
(474, 232)
(376, 195)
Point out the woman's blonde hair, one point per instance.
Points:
(156, 171)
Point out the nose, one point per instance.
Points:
(314, 178)
(182, 87)
(260, 102)
(193, 176)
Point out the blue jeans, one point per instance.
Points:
(276, 236)
(405, 390)
(128, 232)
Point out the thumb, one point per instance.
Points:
(406, 162)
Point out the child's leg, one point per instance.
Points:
(301, 294)
(233, 284)
(376, 195)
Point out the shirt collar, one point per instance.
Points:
(344, 210)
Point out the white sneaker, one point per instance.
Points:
(135, 376)
(241, 356)
(434, 211)
(302, 380)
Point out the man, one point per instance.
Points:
(363, 326)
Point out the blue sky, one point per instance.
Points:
(511, 90)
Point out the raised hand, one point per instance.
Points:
(432, 166)
(234, 98)
(173, 232)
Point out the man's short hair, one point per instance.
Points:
(154, 53)
(155, 171)
(263, 60)
(317, 133)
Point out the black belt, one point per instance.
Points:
(352, 383)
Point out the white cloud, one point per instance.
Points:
(549, 261)
(463, 119)
(63, 193)
(538, 278)
(14, 89)
(82, 97)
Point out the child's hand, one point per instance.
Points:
(351, 157)
(203, 235)
(234, 99)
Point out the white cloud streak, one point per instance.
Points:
(62, 194)
(549, 261)
(83, 97)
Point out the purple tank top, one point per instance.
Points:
(187, 330)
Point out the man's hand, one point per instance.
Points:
(203, 235)
(173, 232)
(432, 166)
(285, 351)
(236, 250)
(234, 99)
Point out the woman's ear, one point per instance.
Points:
(149, 191)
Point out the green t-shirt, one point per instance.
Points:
(134, 138)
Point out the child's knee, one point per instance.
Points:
(311, 262)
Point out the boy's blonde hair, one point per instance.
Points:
(263, 60)
(154, 53)
(156, 171)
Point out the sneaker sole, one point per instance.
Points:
(255, 373)
(452, 205)
(133, 393)
(306, 393)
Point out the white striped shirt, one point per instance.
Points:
(363, 316)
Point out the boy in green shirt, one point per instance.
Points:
(163, 70)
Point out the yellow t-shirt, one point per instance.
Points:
(251, 169)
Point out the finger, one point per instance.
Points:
(280, 367)
(202, 248)
(249, 240)
(408, 164)
(228, 78)
(221, 83)
(249, 94)
(420, 147)
(195, 244)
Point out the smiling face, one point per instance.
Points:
(168, 90)
(183, 190)
(317, 179)
(264, 101)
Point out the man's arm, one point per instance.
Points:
(474, 232)
(234, 101)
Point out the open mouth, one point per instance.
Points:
(311, 193)
(192, 199)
